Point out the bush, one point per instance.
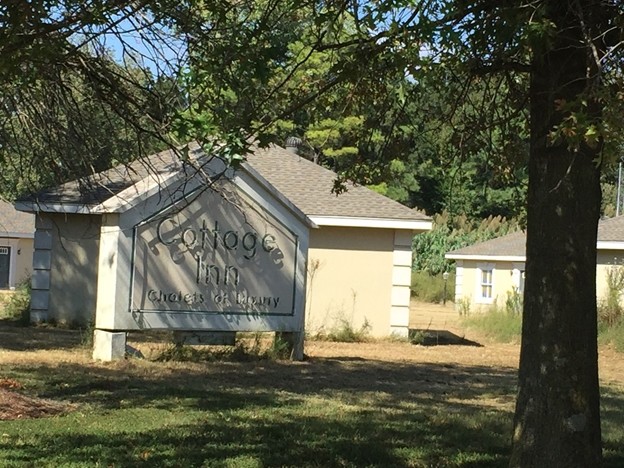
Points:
(345, 332)
(16, 306)
(499, 325)
(453, 233)
(430, 288)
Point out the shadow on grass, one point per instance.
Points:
(429, 337)
(16, 337)
(325, 412)
(322, 412)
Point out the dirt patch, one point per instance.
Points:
(14, 405)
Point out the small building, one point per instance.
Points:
(98, 242)
(489, 272)
(17, 231)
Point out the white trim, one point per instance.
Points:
(610, 245)
(487, 258)
(17, 235)
(480, 299)
(120, 202)
(383, 223)
(37, 207)
(601, 245)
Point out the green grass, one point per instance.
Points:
(130, 417)
(320, 413)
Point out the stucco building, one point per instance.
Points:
(355, 248)
(17, 230)
(487, 272)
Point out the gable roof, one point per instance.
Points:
(301, 182)
(512, 247)
(14, 223)
(96, 189)
(611, 230)
(309, 186)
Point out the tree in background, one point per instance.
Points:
(78, 95)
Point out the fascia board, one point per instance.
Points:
(487, 258)
(17, 235)
(380, 223)
(610, 245)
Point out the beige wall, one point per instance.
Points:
(21, 258)
(606, 260)
(505, 277)
(350, 278)
(73, 267)
(23, 266)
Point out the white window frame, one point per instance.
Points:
(519, 277)
(481, 269)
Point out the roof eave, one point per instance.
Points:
(17, 235)
(378, 223)
(497, 258)
(610, 245)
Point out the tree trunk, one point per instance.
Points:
(557, 419)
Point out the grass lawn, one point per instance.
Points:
(410, 407)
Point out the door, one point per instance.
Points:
(5, 262)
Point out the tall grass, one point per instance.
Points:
(611, 310)
(497, 324)
(430, 288)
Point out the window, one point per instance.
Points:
(485, 283)
(5, 266)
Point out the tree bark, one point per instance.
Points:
(557, 419)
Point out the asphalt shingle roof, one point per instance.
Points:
(15, 222)
(307, 185)
(611, 229)
(98, 188)
(514, 244)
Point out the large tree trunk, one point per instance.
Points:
(557, 420)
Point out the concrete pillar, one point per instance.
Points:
(109, 346)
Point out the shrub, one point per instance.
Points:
(430, 288)
(345, 332)
(463, 306)
(17, 305)
(450, 233)
(514, 302)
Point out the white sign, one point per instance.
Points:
(214, 253)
